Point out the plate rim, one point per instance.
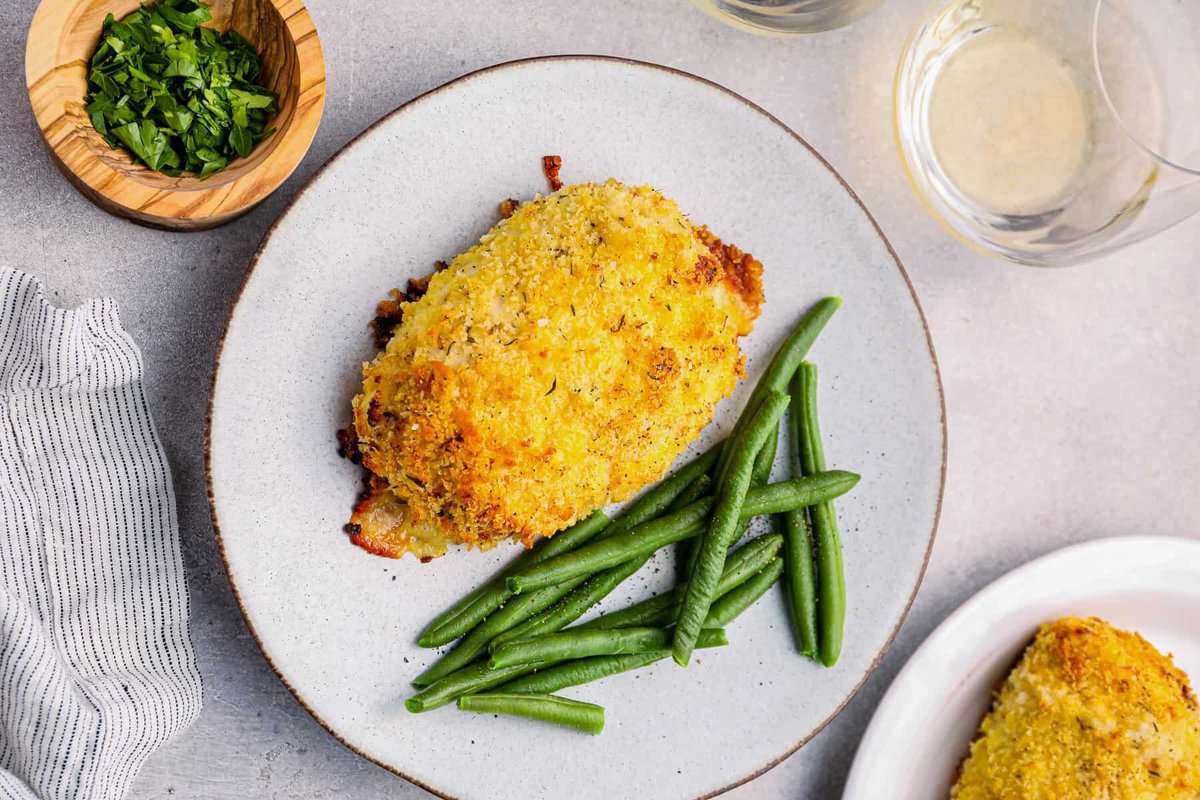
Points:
(1053, 560)
(454, 83)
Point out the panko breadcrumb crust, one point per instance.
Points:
(560, 364)
(1090, 713)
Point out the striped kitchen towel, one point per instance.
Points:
(96, 667)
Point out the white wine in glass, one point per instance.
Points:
(1052, 131)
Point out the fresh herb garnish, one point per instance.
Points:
(178, 96)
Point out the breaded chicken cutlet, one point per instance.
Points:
(560, 364)
(1090, 713)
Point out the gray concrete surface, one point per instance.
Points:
(1073, 395)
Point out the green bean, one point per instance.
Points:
(573, 606)
(763, 464)
(743, 562)
(464, 615)
(586, 670)
(775, 498)
(596, 588)
(614, 550)
(474, 678)
(430, 635)
(799, 575)
(667, 495)
(652, 612)
(479, 676)
(701, 487)
(655, 501)
(690, 521)
(585, 717)
(697, 489)
(800, 581)
(686, 551)
(728, 608)
(748, 560)
(472, 609)
(514, 612)
(580, 671)
(783, 364)
(579, 644)
(831, 578)
(727, 513)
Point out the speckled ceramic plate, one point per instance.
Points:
(340, 625)
(933, 709)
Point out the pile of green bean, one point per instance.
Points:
(517, 644)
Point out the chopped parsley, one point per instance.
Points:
(179, 97)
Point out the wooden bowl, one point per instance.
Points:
(62, 38)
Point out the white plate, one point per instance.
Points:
(339, 625)
(923, 727)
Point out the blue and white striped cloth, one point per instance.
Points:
(96, 666)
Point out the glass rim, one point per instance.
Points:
(949, 219)
(1138, 142)
(788, 8)
(794, 18)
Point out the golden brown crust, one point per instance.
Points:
(559, 365)
(389, 312)
(1090, 713)
(742, 271)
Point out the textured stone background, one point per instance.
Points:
(1073, 396)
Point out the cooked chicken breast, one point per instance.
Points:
(1090, 713)
(560, 364)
